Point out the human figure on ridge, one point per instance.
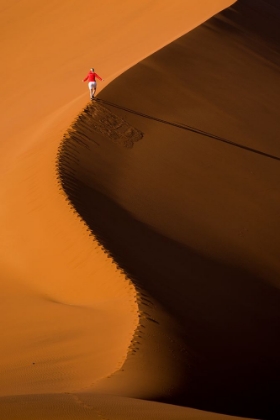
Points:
(92, 82)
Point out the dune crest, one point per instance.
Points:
(83, 313)
(46, 250)
(193, 220)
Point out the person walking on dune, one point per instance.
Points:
(91, 77)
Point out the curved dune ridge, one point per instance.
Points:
(69, 312)
(193, 221)
(140, 259)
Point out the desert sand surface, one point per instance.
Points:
(180, 182)
(139, 260)
(96, 407)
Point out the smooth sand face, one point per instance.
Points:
(69, 312)
(53, 46)
(194, 220)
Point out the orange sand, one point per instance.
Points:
(193, 219)
(69, 312)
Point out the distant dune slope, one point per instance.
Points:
(192, 220)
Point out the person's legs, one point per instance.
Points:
(92, 88)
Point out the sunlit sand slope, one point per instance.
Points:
(193, 218)
(69, 313)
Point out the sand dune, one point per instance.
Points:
(175, 297)
(193, 219)
(69, 313)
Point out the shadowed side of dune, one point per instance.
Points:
(194, 223)
(227, 316)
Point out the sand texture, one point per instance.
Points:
(140, 232)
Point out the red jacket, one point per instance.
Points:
(91, 77)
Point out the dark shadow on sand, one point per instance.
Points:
(229, 316)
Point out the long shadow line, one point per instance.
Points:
(189, 128)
